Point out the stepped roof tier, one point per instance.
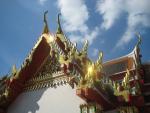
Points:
(55, 60)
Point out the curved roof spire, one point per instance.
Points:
(59, 30)
(139, 39)
(45, 30)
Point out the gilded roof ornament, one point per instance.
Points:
(14, 69)
(125, 82)
(100, 58)
(137, 52)
(46, 30)
(59, 30)
(139, 39)
(85, 47)
(99, 61)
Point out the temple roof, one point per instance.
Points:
(55, 58)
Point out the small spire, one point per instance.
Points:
(139, 39)
(85, 47)
(59, 30)
(100, 57)
(46, 30)
(14, 69)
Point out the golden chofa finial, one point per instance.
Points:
(85, 47)
(59, 30)
(14, 69)
(99, 61)
(100, 57)
(139, 39)
(46, 30)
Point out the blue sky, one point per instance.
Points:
(109, 25)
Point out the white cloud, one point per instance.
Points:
(42, 2)
(110, 11)
(75, 16)
(90, 36)
(138, 15)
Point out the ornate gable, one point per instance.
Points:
(55, 61)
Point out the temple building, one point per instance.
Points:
(57, 77)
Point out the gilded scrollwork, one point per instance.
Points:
(56, 79)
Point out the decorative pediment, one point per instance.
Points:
(55, 60)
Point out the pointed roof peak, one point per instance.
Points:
(46, 29)
(59, 30)
(139, 39)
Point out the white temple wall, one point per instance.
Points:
(62, 99)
